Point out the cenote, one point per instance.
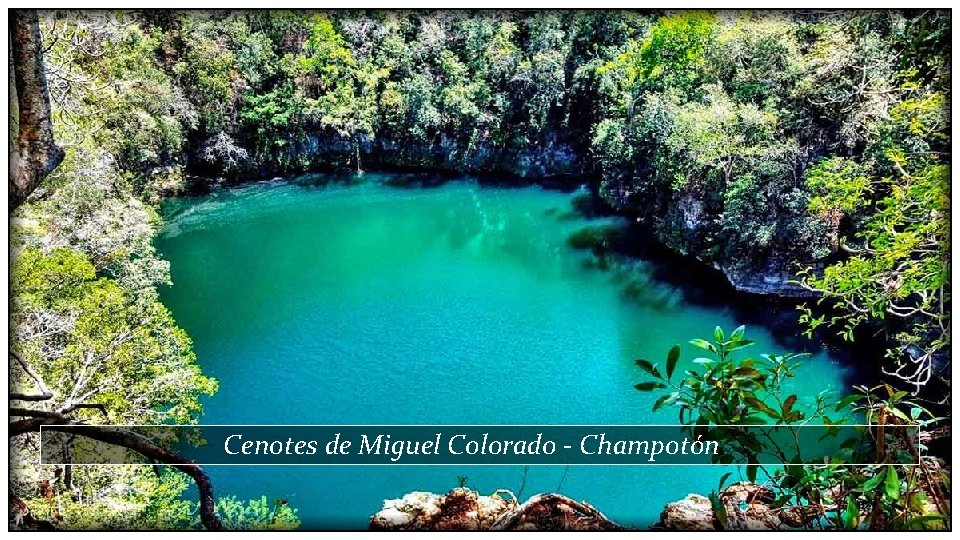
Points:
(316, 302)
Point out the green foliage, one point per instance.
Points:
(838, 186)
(898, 259)
(728, 392)
(137, 498)
(207, 71)
(674, 54)
(94, 343)
(257, 515)
(753, 142)
(327, 58)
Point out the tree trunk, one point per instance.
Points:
(34, 153)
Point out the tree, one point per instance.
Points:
(34, 154)
(896, 263)
(45, 324)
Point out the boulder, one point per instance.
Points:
(466, 510)
(747, 507)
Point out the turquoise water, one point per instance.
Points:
(317, 302)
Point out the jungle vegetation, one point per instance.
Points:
(812, 144)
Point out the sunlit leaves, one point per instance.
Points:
(115, 350)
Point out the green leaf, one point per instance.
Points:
(737, 334)
(672, 357)
(845, 402)
(719, 509)
(740, 344)
(891, 484)
(752, 472)
(919, 522)
(872, 483)
(661, 400)
(723, 479)
(718, 334)
(703, 344)
(851, 514)
(648, 386)
(647, 366)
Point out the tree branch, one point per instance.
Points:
(126, 439)
(45, 392)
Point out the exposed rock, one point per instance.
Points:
(552, 512)
(553, 156)
(772, 281)
(694, 513)
(747, 507)
(460, 510)
(465, 510)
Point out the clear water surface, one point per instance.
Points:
(317, 302)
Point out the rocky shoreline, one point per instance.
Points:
(463, 509)
(746, 507)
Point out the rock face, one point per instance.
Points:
(466, 510)
(772, 281)
(746, 507)
(553, 156)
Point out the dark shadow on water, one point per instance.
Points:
(640, 263)
(417, 180)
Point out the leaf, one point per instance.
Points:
(740, 344)
(872, 483)
(702, 360)
(647, 366)
(762, 407)
(719, 509)
(891, 484)
(722, 480)
(737, 334)
(703, 344)
(788, 405)
(919, 522)
(648, 386)
(899, 414)
(746, 371)
(661, 400)
(718, 334)
(752, 473)
(846, 402)
(851, 514)
(672, 357)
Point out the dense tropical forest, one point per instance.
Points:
(803, 154)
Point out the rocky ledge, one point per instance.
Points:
(743, 507)
(466, 510)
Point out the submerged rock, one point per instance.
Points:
(466, 510)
